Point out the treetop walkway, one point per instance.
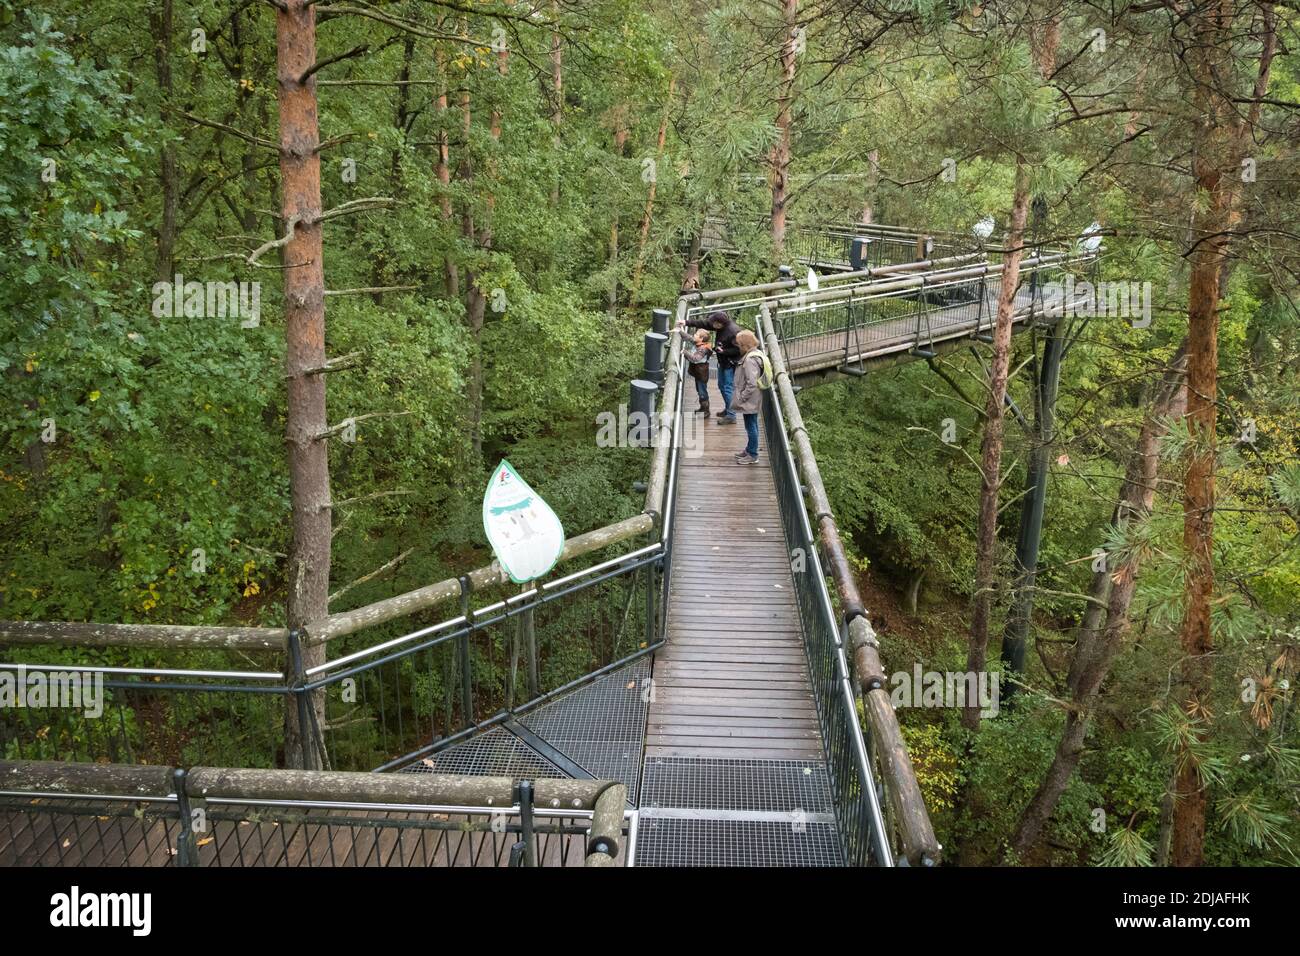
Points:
(693, 693)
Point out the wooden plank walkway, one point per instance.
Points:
(733, 679)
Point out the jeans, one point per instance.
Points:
(702, 390)
(751, 429)
(726, 379)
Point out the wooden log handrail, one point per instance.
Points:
(916, 834)
(323, 786)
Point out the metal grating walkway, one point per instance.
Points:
(496, 753)
(759, 786)
(600, 727)
(675, 841)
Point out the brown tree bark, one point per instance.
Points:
(619, 119)
(644, 240)
(991, 447)
(451, 272)
(162, 25)
(475, 297)
(557, 91)
(1096, 648)
(780, 158)
(304, 318)
(691, 274)
(1220, 139)
(873, 183)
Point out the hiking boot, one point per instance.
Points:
(703, 409)
(722, 414)
(747, 459)
(727, 420)
(740, 454)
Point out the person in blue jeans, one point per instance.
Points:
(724, 331)
(748, 393)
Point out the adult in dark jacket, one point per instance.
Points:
(724, 331)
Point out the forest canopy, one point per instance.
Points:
(494, 195)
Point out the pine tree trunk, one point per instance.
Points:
(557, 91)
(873, 183)
(1097, 649)
(304, 318)
(991, 448)
(646, 217)
(162, 25)
(451, 273)
(1221, 137)
(780, 159)
(621, 132)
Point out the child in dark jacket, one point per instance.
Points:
(697, 364)
(724, 331)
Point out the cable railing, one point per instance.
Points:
(844, 246)
(376, 708)
(847, 325)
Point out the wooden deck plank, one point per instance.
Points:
(732, 680)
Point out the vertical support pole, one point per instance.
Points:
(1032, 507)
(651, 604)
(527, 836)
(187, 850)
(529, 634)
(309, 731)
(659, 319)
(462, 648)
(1016, 637)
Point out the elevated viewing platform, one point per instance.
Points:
(692, 694)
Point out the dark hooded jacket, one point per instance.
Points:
(724, 331)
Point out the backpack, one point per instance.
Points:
(764, 377)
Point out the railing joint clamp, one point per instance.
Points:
(466, 589)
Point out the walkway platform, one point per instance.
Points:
(733, 771)
(879, 343)
(722, 757)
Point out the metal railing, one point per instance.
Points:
(874, 771)
(904, 314)
(377, 707)
(829, 246)
(374, 705)
(116, 815)
(854, 789)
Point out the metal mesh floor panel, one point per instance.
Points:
(600, 727)
(754, 785)
(496, 753)
(675, 842)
